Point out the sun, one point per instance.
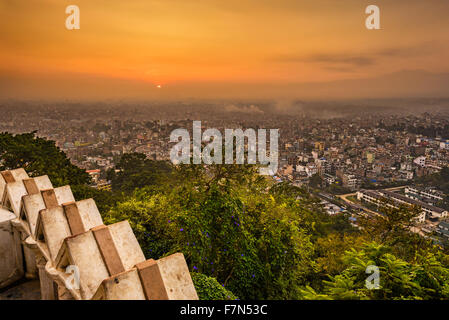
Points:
(158, 86)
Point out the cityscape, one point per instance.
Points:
(234, 157)
(347, 160)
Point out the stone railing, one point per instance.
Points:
(46, 234)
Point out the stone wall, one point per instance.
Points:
(46, 234)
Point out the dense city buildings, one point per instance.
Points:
(346, 152)
(341, 153)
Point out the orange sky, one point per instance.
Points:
(211, 48)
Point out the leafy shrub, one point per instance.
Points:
(208, 288)
(231, 230)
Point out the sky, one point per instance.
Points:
(175, 49)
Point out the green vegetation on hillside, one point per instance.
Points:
(242, 232)
(39, 156)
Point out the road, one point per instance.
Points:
(344, 197)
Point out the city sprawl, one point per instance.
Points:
(351, 158)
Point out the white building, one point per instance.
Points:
(395, 200)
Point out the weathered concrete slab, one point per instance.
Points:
(52, 229)
(176, 276)
(64, 194)
(90, 216)
(123, 286)
(82, 251)
(10, 176)
(164, 279)
(61, 285)
(126, 243)
(57, 223)
(14, 191)
(32, 204)
(167, 279)
(42, 183)
(12, 196)
(91, 253)
(108, 250)
(11, 259)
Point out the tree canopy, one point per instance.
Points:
(136, 171)
(39, 156)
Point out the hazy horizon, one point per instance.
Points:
(222, 50)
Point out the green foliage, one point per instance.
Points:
(208, 288)
(150, 216)
(316, 181)
(394, 228)
(137, 172)
(39, 156)
(440, 179)
(314, 220)
(275, 242)
(337, 189)
(240, 231)
(427, 277)
(227, 225)
(330, 251)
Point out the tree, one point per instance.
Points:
(227, 226)
(39, 156)
(136, 171)
(393, 224)
(316, 181)
(440, 179)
